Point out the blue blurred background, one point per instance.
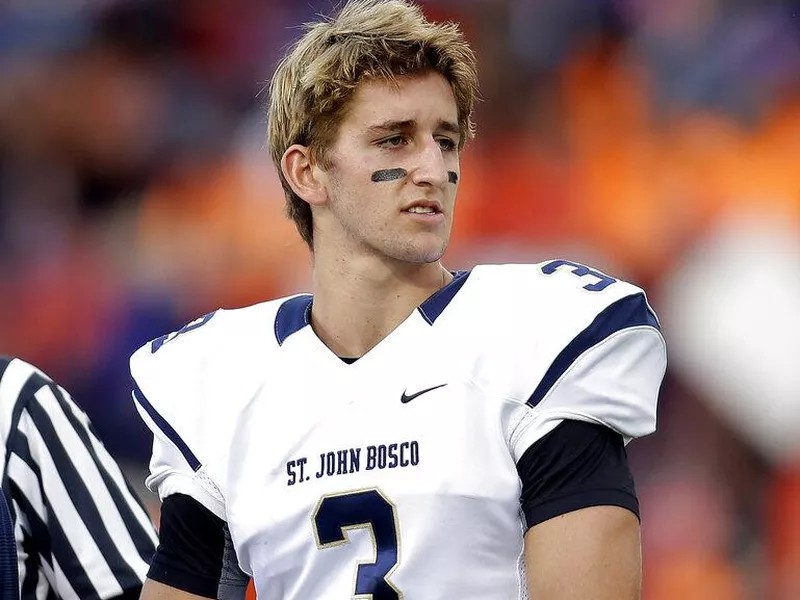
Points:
(656, 140)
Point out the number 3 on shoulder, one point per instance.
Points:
(196, 324)
(581, 271)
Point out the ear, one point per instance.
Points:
(303, 174)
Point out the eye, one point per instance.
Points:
(394, 141)
(447, 144)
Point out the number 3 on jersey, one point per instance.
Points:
(581, 271)
(369, 509)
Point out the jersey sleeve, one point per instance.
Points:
(190, 548)
(183, 394)
(575, 466)
(592, 355)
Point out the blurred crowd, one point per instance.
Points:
(654, 139)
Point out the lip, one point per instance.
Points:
(426, 219)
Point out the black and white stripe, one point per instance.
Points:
(81, 532)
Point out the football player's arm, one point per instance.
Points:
(153, 590)
(578, 495)
(580, 504)
(191, 560)
(589, 553)
(194, 557)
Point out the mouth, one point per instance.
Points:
(424, 207)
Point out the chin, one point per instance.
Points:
(423, 259)
(420, 254)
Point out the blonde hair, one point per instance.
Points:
(367, 39)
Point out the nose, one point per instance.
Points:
(430, 168)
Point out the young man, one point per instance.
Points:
(407, 432)
(79, 530)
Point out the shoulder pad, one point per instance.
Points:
(567, 337)
(193, 383)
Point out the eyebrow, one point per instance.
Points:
(389, 126)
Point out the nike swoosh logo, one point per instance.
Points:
(405, 399)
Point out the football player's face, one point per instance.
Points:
(394, 168)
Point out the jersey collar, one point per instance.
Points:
(435, 305)
(295, 313)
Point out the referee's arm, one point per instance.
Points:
(9, 582)
(82, 527)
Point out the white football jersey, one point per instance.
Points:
(394, 476)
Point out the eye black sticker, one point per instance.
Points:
(388, 174)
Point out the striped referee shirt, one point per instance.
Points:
(9, 584)
(81, 533)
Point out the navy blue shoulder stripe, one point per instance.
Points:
(165, 427)
(292, 316)
(631, 311)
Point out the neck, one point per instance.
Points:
(359, 301)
